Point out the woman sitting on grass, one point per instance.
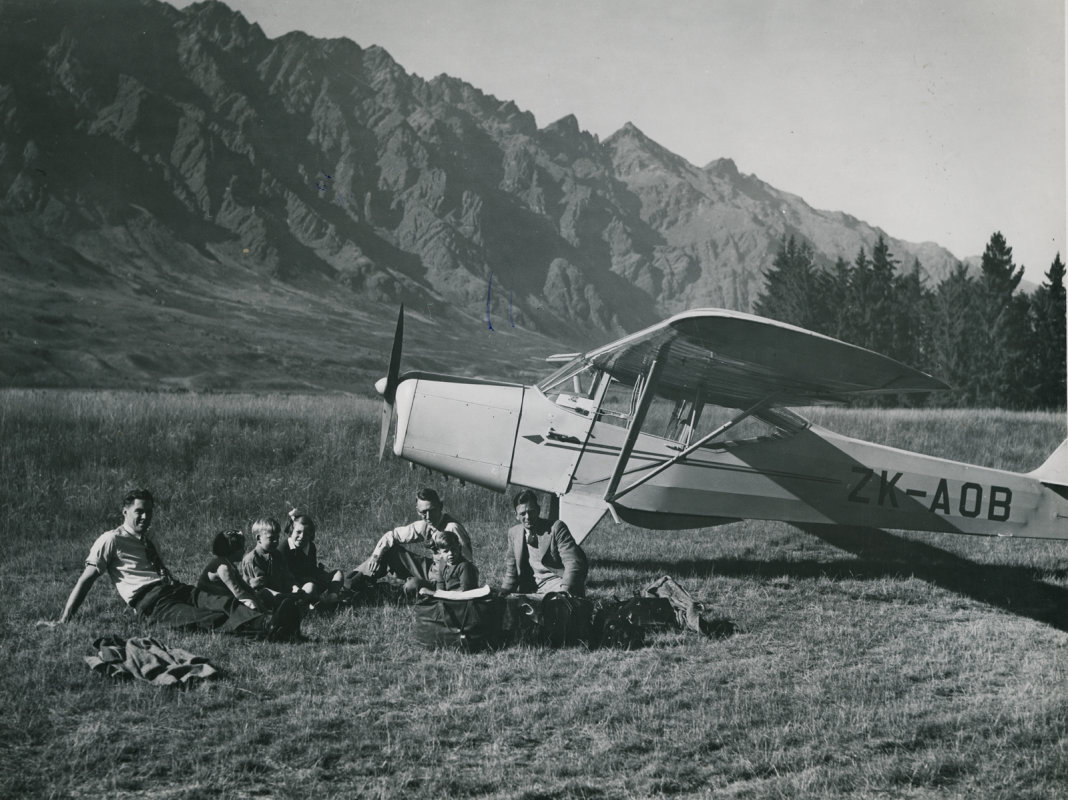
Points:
(222, 577)
(299, 554)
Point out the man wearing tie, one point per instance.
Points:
(542, 556)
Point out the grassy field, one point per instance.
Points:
(864, 663)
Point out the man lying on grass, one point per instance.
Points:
(132, 562)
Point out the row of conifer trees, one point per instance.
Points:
(995, 346)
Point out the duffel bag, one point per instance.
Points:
(469, 625)
(567, 620)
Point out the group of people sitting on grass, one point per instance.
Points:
(266, 591)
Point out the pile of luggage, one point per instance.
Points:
(558, 619)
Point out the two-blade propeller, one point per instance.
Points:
(387, 386)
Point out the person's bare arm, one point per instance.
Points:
(405, 534)
(79, 592)
(238, 588)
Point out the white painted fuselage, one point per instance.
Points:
(499, 434)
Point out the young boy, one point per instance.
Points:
(263, 567)
(454, 571)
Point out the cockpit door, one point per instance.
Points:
(554, 430)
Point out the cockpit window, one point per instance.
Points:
(573, 386)
(685, 422)
(575, 377)
(578, 386)
(771, 423)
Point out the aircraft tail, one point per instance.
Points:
(1055, 469)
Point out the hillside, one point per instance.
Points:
(185, 202)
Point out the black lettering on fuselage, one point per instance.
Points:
(969, 502)
(1000, 503)
(854, 496)
(941, 498)
(970, 506)
(886, 488)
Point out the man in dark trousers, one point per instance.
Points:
(132, 562)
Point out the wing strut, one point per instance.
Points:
(638, 418)
(663, 465)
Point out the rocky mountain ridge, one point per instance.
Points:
(183, 159)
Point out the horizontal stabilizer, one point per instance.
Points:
(1055, 470)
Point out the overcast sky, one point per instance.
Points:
(937, 120)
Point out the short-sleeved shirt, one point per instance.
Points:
(266, 570)
(120, 554)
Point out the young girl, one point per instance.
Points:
(298, 551)
(264, 568)
(222, 577)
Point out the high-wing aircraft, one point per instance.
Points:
(687, 424)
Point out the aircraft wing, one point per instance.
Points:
(735, 359)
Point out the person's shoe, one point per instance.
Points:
(285, 621)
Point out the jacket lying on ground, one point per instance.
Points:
(148, 660)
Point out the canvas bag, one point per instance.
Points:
(622, 624)
(566, 620)
(468, 625)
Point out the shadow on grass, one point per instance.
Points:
(718, 628)
(879, 554)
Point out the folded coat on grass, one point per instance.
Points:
(149, 660)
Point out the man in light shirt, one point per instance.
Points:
(409, 551)
(132, 562)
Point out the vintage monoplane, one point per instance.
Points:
(687, 424)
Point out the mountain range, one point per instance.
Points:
(187, 203)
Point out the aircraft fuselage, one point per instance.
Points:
(498, 434)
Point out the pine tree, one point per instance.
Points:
(954, 348)
(1003, 364)
(836, 322)
(854, 313)
(1048, 339)
(792, 287)
(880, 300)
(868, 315)
(911, 319)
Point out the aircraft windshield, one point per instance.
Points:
(574, 386)
(581, 387)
